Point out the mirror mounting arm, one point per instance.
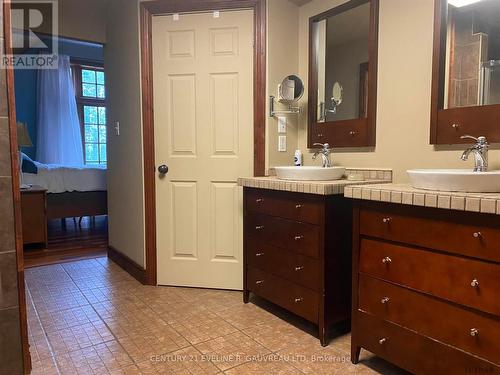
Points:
(273, 112)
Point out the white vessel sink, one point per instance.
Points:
(310, 173)
(462, 180)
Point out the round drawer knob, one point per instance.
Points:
(382, 341)
(474, 332)
(297, 206)
(477, 234)
(297, 300)
(455, 126)
(299, 268)
(259, 200)
(352, 133)
(259, 282)
(386, 260)
(474, 283)
(259, 227)
(386, 220)
(298, 238)
(384, 300)
(320, 135)
(259, 254)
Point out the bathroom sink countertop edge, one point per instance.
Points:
(408, 195)
(330, 187)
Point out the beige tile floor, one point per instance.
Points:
(91, 317)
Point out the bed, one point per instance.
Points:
(71, 191)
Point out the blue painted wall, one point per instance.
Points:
(25, 81)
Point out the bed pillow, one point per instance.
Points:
(29, 165)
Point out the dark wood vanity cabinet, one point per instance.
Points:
(297, 253)
(426, 288)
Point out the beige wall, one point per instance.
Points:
(83, 19)
(404, 85)
(282, 60)
(125, 161)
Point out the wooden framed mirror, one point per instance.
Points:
(466, 71)
(343, 45)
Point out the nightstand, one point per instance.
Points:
(34, 215)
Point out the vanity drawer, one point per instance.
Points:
(468, 282)
(416, 353)
(300, 237)
(294, 206)
(295, 298)
(475, 241)
(425, 315)
(294, 267)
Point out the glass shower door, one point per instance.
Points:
(490, 83)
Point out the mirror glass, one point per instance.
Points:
(337, 94)
(472, 61)
(341, 45)
(291, 89)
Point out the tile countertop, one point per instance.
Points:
(405, 194)
(372, 176)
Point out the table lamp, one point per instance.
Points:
(23, 140)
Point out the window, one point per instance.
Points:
(91, 99)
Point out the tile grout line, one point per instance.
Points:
(209, 339)
(53, 357)
(142, 297)
(100, 317)
(189, 344)
(272, 352)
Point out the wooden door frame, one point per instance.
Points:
(16, 189)
(157, 7)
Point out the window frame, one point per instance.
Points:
(81, 101)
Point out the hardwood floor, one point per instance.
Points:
(70, 240)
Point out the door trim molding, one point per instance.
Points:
(147, 10)
(16, 191)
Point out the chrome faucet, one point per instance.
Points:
(480, 150)
(325, 154)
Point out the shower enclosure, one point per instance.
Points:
(489, 90)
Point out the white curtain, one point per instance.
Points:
(59, 138)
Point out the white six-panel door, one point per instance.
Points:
(203, 102)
